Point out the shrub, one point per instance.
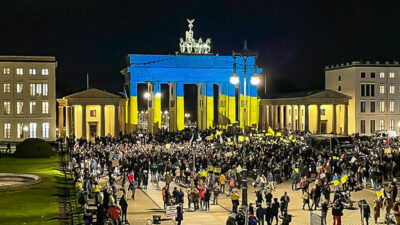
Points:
(34, 148)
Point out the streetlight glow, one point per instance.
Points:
(26, 128)
(254, 81)
(234, 79)
(158, 94)
(147, 95)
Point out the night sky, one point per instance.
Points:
(295, 39)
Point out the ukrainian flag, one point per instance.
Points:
(379, 191)
(335, 181)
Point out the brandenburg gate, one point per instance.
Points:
(193, 64)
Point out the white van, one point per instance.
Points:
(383, 134)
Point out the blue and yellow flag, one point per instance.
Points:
(335, 181)
(379, 191)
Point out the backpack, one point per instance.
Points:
(231, 183)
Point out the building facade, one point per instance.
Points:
(91, 113)
(320, 112)
(27, 98)
(375, 92)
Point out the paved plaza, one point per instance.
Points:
(149, 202)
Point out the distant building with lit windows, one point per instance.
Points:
(27, 98)
(375, 91)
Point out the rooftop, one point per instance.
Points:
(14, 58)
(363, 64)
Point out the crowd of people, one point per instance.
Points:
(207, 164)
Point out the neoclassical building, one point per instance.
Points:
(91, 113)
(323, 111)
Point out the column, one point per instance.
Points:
(318, 118)
(252, 107)
(306, 119)
(334, 119)
(133, 107)
(287, 117)
(68, 121)
(267, 114)
(231, 107)
(346, 119)
(294, 123)
(157, 105)
(103, 120)
(180, 106)
(299, 118)
(282, 115)
(172, 106)
(210, 105)
(116, 120)
(201, 106)
(61, 121)
(150, 108)
(84, 121)
(276, 111)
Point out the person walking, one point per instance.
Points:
(260, 213)
(222, 181)
(235, 201)
(306, 200)
(124, 208)
(337, 213)
(324, 211)
(377, 209)
(179, 214)
(275, 210)
(216, 193)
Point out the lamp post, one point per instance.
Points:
(255, 80)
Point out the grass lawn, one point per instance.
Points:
(28, 206)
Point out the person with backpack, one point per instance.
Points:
(306, 200)
(115, 213)
(231, 185)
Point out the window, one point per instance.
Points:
(367, 90)
(381, 124)
(372, 90)
(20, 130)
(20, 88)
(362, 106)
(7, 108)
(32, 71)
(339, 88)
(38, 89)
(20, 71)
(45, 72)
(6, 71)
(372, 107)
(362, 74)
(323, 112)
(7, 88)
(391, 106)
(372, 126)
(45, 130)
(32, 89)
(32, 107)
(339, 78)
(373, 75)
(20, 107)
(45, 89)
(391, 124)
(92, 113)
(382, 89)
(362, 90)
(382, 106)
(382, 75)
(391, 89)
(7, 130)
(32, 130)
(391, 75)
(45, 107)
(362, 130)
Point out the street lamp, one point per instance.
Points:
(255, 80)
(147, 95)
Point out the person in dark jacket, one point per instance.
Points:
(268, 214)
(324, 211)
(365, 211)
(124, 207)
(337, 213)
(207, 197)
(231, 219)
(286, 218)
(260, 213)
(179, 213)
(275, 210)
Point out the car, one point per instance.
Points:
(384, 134)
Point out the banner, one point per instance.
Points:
(171, 211)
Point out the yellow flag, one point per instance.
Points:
(241, 138)
(219, 132)
(278, 134)
(270, 131)
(344, 179)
